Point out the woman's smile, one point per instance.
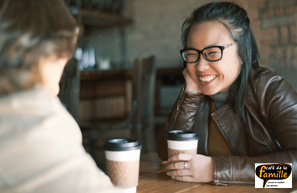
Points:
(207, 78)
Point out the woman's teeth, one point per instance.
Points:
(207, 78)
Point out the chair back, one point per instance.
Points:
(144, 80)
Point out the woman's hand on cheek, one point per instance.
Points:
(191, 85)
(190, 168)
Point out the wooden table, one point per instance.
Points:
(153, 181)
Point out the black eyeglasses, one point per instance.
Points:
(211, 53)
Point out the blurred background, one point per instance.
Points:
(117, 32)
(154, 27)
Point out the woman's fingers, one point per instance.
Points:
(184, 178)
(180, 157)
(165, 163)
(190, 168)
(177, 165)
(183, 172)
(180, 170)
(191, 82)
(181, 175)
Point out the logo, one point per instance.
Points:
(269, 175)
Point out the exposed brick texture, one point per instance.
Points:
(282, 52)
(275, 22)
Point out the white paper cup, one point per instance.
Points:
(182, 141)
(122, 163)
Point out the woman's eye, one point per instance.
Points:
(210, 53)
(191, 53)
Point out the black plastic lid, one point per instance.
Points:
(122, 145)
(182, 135)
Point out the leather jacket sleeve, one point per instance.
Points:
(182, 117)
(241, 169)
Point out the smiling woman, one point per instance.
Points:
(243, 113)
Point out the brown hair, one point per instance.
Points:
(31, 30)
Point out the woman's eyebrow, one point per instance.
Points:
(190, 47)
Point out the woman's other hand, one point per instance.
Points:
(190, 168)
(191, 85)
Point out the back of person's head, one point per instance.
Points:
(32, 30)
(236, 20)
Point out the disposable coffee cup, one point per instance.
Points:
(122, 163)
(182, 141)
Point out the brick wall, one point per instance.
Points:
(274, 23)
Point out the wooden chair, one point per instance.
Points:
(140, 121)
(144, 81)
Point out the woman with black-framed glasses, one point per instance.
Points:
(243, 113)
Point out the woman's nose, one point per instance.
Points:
(202, 64)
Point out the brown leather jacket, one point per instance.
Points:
(270, 135)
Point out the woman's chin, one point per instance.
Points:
(209, 92)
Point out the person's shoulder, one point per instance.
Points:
(263, 77)
(263, 73)
(267, 83)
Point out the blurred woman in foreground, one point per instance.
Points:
(40, 143)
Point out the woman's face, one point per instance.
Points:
(213, 77)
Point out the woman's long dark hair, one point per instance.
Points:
(236, 20)
(29, 31)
